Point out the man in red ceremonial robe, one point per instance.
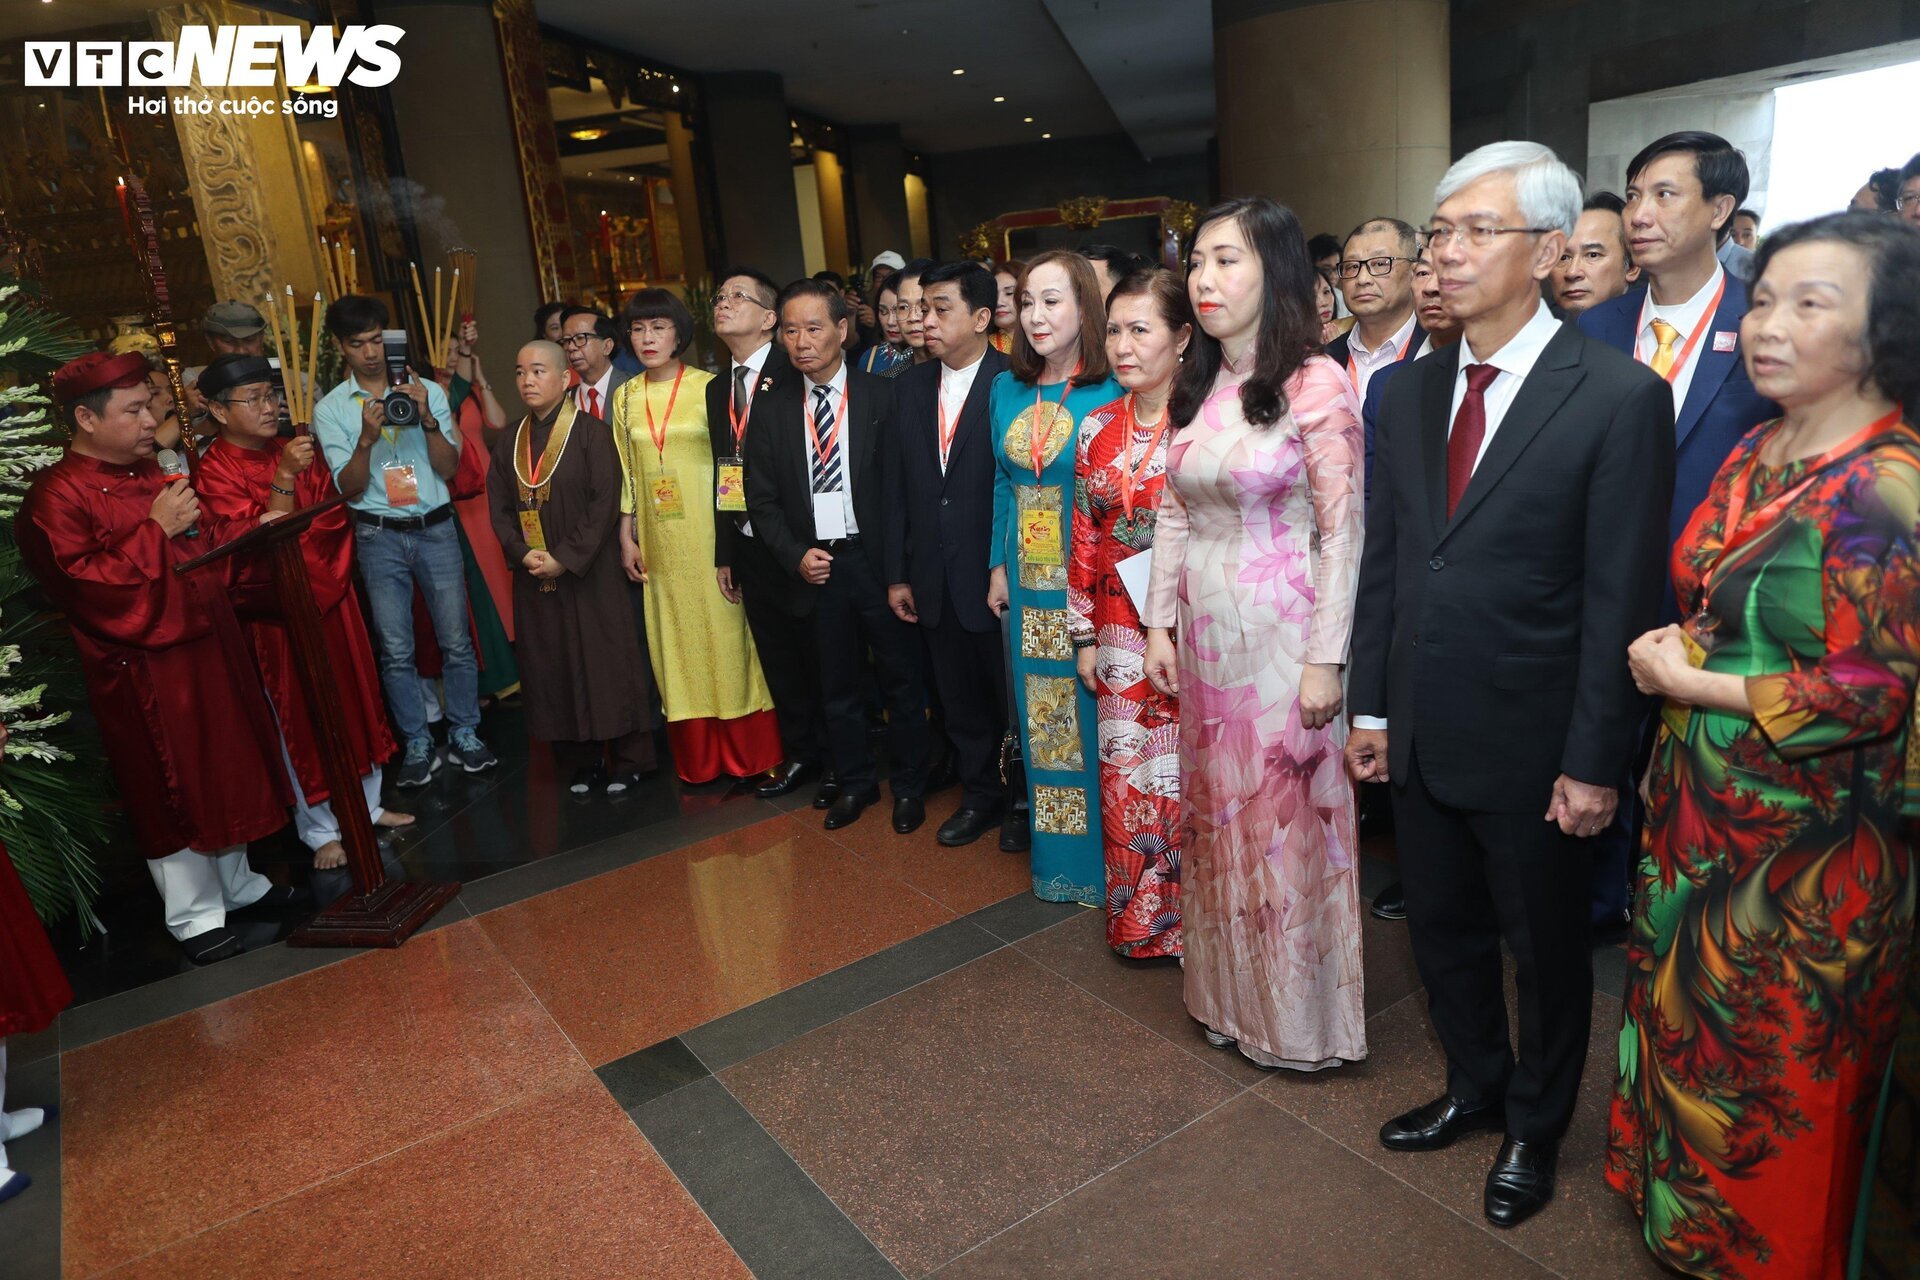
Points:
(193, 748)
(248, 471)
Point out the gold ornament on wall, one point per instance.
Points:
(1180, 215)
(978, 242)
(1083, 213)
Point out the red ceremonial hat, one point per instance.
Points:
(98, 370)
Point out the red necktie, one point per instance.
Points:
(1469, 429)
(593, 401)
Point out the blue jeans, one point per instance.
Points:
(392, 563)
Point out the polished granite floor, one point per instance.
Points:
(693, 1034)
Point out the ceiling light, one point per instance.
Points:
(593, 134)
(1001, 98)
(1026, 119)
(959, 71)
(1046, 135)
(676, 88)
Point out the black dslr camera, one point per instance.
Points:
(400, 409)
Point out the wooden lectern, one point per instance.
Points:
(379, 912)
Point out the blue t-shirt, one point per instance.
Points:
(336, 429)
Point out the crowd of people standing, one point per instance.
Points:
(1580, 527)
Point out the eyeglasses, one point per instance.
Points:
(257, 401)
(1906, 200)
(1375, 267)
(738, 299)
(1479, 235)
(578, 339)
(655, 329)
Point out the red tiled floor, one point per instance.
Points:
(560, 1183)
(964, 879)
(175, 1127)
(1246, 1191)
(629, 958)
(1587, 1233)
(950, 1112)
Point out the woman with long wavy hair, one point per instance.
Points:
(1256, 562)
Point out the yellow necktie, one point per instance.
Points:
(1664, 334)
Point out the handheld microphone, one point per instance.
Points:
(171, 465)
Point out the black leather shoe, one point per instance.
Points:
(787, 777)
(211, 946)
(1437, 1124)
(1520, 1182)
(280, 898)
(829, 791)
(967, 825)
(846, 809)
(1015, 834)
(908, 814)
(1390, 903)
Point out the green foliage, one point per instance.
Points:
(53, 796)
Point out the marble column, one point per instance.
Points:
(1339, 110)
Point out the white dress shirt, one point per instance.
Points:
(1515, 361)
(581, 399)
(955, 385)
(1362, 364)
(836, 390)
(754, 363)
(1685, 317)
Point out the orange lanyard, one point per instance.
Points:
(1036, 441)
(825, 451)
(1353, 372)
(1130, 476)
(1693, 339)
(659, 433)
(1737, 530)
(947, 429)
(738, 420)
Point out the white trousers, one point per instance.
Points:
(315, 824)
(198, 889)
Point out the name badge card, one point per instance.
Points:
(829, 516)
(1040, 536)
(668, 503)
(403, 487)
(730, 485)
(530, 531)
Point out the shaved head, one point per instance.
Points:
(540, 375)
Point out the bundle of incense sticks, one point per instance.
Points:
(466, 269)
(442, 317)
(284, 320)
(343, 267)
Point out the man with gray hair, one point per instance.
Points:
(1514, 548)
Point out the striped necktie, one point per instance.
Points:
(826, 471)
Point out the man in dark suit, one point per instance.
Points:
(1685, 326)
(817, 495)
(1375, 276)
(940, 481)
(1513, 553)
(745, 321)
(590, 338)
(1682, 192)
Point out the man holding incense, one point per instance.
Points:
(190, 738)
(555, 490)
(248, 471)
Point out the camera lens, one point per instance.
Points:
(400, 409)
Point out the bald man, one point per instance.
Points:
(555, 495)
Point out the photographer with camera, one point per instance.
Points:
(391, 442)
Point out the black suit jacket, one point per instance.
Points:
(775, 370)
(942, 531)
(1495, 643)
(780, 477)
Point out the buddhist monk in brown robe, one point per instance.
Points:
(555, 490)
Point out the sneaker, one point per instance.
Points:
(465, 749)
(417, 765)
